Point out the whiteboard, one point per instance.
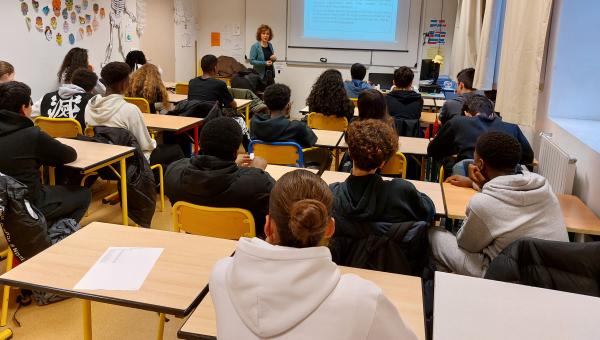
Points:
(275, 13)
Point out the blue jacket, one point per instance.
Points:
(257, 58)
(354, 87)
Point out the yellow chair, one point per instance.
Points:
(141, 103)
(396, 165)
(278, 153)
(59, 127)
(320, 121)
(5, 296)
(354, 101)
(181, 88)
(227, 223)
(227, 80)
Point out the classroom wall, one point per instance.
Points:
(587, 180)
(37, 60)
(215, 16)
(157, 42)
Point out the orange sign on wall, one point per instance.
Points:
(215, 39)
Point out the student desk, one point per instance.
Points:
(431, 189)
(175, 285)
(170, 85)
(176, 124)
(244, 104)
(93, 156)
(408, 145)
(578, 217)
(433, 102)
(328, 138)
(176, 98)
(470, 308)
(402, 290)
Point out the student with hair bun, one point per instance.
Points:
(288, 287)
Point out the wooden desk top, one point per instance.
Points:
(276, 171)
(329, 139)
(91, 154)
(428, 117)
(470, 308)
(174, 286)
(176, 98)
(170, 84)
(408, 145)
(403, 291)
(579, 218)
(241, 103)
(170, 123)
(431, 102)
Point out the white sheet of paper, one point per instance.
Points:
(120, 268)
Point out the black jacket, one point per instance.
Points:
(281, 129)
(25, 148)
(404, 104)
(565, 266)
(210, 181)
(459, 135)
(55, 106)
(141, 192)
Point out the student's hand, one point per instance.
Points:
(459, 181)
(259, 163)
(243, 160)
(476, 176)
(269, 63)
(273, 57)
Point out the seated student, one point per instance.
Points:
(217, 178)
(135, 59)
(458, 136)
(25, 147)
(7, 72)
(403, 102)
(372, 105)
(512, 204)
(456, 106)
(146, 83)
(207, 88)
(70, 100)
(276, 126)
(75, 59)
(365, 196)
(113, 111)
(288, 287)
(355, 86)
(328, 96)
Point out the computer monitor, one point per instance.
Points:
(385, 80)
(429, 70)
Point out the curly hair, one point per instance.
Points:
(146, 83)
(370, 143)
(277, 96)
(263, 28)
(76, 58)
(328, 95)
(499, 150)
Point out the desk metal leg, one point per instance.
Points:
(248, 116)
(123, 168)
(87, 319)
(578, 237)
(423, 165)
(52, 175)
(161, 327)
(196, 145)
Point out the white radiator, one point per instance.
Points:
(556, 165)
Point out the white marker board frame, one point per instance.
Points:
(275, 13)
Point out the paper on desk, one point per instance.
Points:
(120, 268)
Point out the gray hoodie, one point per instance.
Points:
(114, 111)
(268, 291)
(509, 208)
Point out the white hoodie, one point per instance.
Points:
(274, 292)
(509, 208)
(114, 111)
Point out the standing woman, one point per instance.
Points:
(262, 54)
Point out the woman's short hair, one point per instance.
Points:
(263, 28)
(370, 143)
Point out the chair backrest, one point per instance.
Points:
(141, 103)
(395, 166)
(59, 127)
(227, 223)
(181, 88)
(89, 131)
(320, 121)
(279, 153)
(354, 101)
